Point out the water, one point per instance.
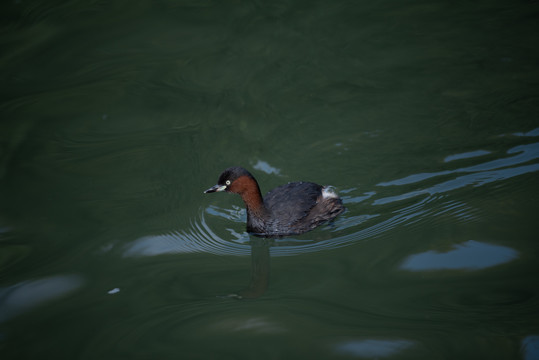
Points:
(116, 116)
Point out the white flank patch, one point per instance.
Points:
(328, 193)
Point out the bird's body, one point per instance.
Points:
(289, 209)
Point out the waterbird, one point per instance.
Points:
(290, 209)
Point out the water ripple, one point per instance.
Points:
(466, 155)
(199, 238)
(525, 153)
(355, 225)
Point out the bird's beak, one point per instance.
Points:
(215, 188)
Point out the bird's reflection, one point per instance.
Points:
(260, 270)
(260, 262)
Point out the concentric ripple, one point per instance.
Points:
(201, 238)
(198, 238)
(378, 213)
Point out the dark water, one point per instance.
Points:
(115, 116)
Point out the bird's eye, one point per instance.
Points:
(227, 182)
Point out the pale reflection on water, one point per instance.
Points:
(530, 347)
(27, 295)
(470, 255)
(257, 325)
(467, 155)
(476, 175)
(372, 348)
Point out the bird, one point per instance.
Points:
(290, 209)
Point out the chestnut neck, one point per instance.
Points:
(248, 189)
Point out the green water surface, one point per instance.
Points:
(115, 116)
